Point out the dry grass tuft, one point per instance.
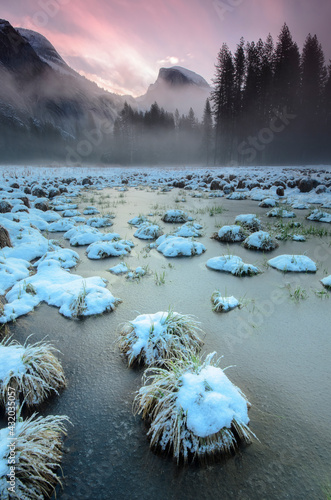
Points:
(157, 402)
(43, 372)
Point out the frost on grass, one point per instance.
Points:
(230, 234)
(232, 264)
(38, 454)
(148, 231)
(193, 409)
(33, 371)
(189, 230)
(104, 249)
(86, 235)
(223, 304)
(293, 263)
(175, 216)
(175, 246)
(249, 221)
(152, 338)
(260, 240)
(319, 216)
(72, 294)
(327, 282)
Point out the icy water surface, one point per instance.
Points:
(278, 349)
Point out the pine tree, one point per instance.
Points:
(207, 133)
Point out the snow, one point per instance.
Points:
(91, 211)
(260, 240)
(103, 249)
(211, 402)
(87, 235)
(148, 231)
(237, 196)
(57, 287)
(4, 451)
(175, 246)
(61, 225)
(137, 221)
(70, 213)
(99, 222)
(189, 230)
(249, 220)
(175, 216)
(293, 263)
(327, 282)
(319, 216)
(65, 256)
(268, 203)
(224, 304)
(119, 269)
(232, 264)
(11, 363)
(298, 237)
(11, 271)
(192, 76)
(230, 234)
(281, 212)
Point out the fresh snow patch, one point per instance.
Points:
(237, 196)
(99, 222)
(148, 231)
(61, 225)
(65, 256)
(210, 401)
(327, 282)
(74, 295)
(268, 203)
(175, 216)
(119, 269)
(70, 213)
(319, 216)
(223, 304)
(91, 211)
(86, 235)
(298, 237)
(250, 221)
(175, 246)
(230, 234)
(137, 221)
(11, 271)
(293, 263)
(232, 264)
(260, 240)
(104, 249)
(281, 212)
(189, 230)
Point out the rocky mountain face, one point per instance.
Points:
(177, 88)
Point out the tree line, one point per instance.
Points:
(270, 104)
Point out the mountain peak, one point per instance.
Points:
(177, 75)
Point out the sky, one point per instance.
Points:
(122, 44)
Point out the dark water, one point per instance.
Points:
(280, 349)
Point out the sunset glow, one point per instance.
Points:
(121, 44)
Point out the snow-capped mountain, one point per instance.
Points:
(177, 88)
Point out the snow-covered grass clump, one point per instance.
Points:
(327, 282)
(175, 216)
(32, 371)
(148, 231)
(230, 234)
(37, 443)
(249, 221)
(153, 338)
(104, 249)
(189, 230)
(232, 264)
(65, 256)
(121, 268)
(61, 226)
(260, 240)
(99, 222)
(223, 304)
(176, 246)
(74, 295)
(91, 211)
(137, 221)
(86, 235)
(193, 409)
(237, 196)
(136, 274)
(11, 271)
(268, 203)
(70, 213)
(293, 263)
(281, 212)
(319, 216)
